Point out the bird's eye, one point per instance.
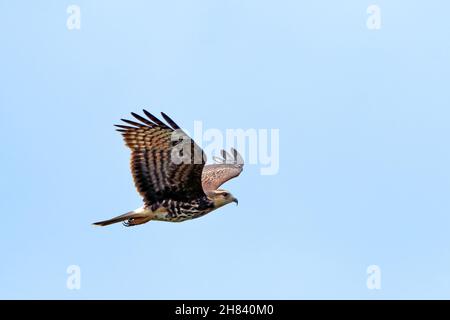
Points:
(225, 194)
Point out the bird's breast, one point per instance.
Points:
(177, 213)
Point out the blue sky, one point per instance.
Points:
(364, 173)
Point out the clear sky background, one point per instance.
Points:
(364, 147)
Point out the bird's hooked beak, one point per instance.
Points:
(236, 201)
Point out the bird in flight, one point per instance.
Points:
(169, 172)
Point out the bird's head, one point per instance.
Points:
(221, 197)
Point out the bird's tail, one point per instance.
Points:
(127, 216)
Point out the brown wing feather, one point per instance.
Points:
(227, 168)
(156, 176)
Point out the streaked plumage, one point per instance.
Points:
(173, 191)
(226, 168)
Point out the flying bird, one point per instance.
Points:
(170, 173)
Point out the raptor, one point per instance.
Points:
(170, 172)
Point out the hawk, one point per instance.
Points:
(169, 172)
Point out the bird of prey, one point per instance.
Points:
(173, 190)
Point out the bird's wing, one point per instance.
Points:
(226, 168)
(165, 162)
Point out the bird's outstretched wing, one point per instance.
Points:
(226, 168)
(165, 162)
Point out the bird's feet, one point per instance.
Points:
(135, 221)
